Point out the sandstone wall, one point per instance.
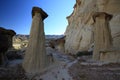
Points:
(79, 32)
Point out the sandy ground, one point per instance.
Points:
(91, 70)
(57, 70)
(64, 68)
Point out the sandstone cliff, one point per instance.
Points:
(79, 32)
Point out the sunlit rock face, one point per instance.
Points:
(79, 32)
(20, 41)
(35, 56)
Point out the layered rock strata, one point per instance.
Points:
(35, 56)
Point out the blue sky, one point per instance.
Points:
(16, 15)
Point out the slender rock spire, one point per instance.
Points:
(102, 33)
(35, 56)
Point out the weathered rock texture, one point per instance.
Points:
(5, 43)
(102, 33)
(58, 44)
(79, 32)
(110, 55)
(20, 41)
(35, 56)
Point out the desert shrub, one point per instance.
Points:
(83, 53)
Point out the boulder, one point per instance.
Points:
(5, 43)
(58, 44)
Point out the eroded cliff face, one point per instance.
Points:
(80, 30)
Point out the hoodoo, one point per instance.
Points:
(102, 37)
(6, 36)
(35, 56)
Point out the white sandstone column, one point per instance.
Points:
(35, 56)
(102, 33)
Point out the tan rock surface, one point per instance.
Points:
(102, 33)
(79, 32)
(35, 56)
